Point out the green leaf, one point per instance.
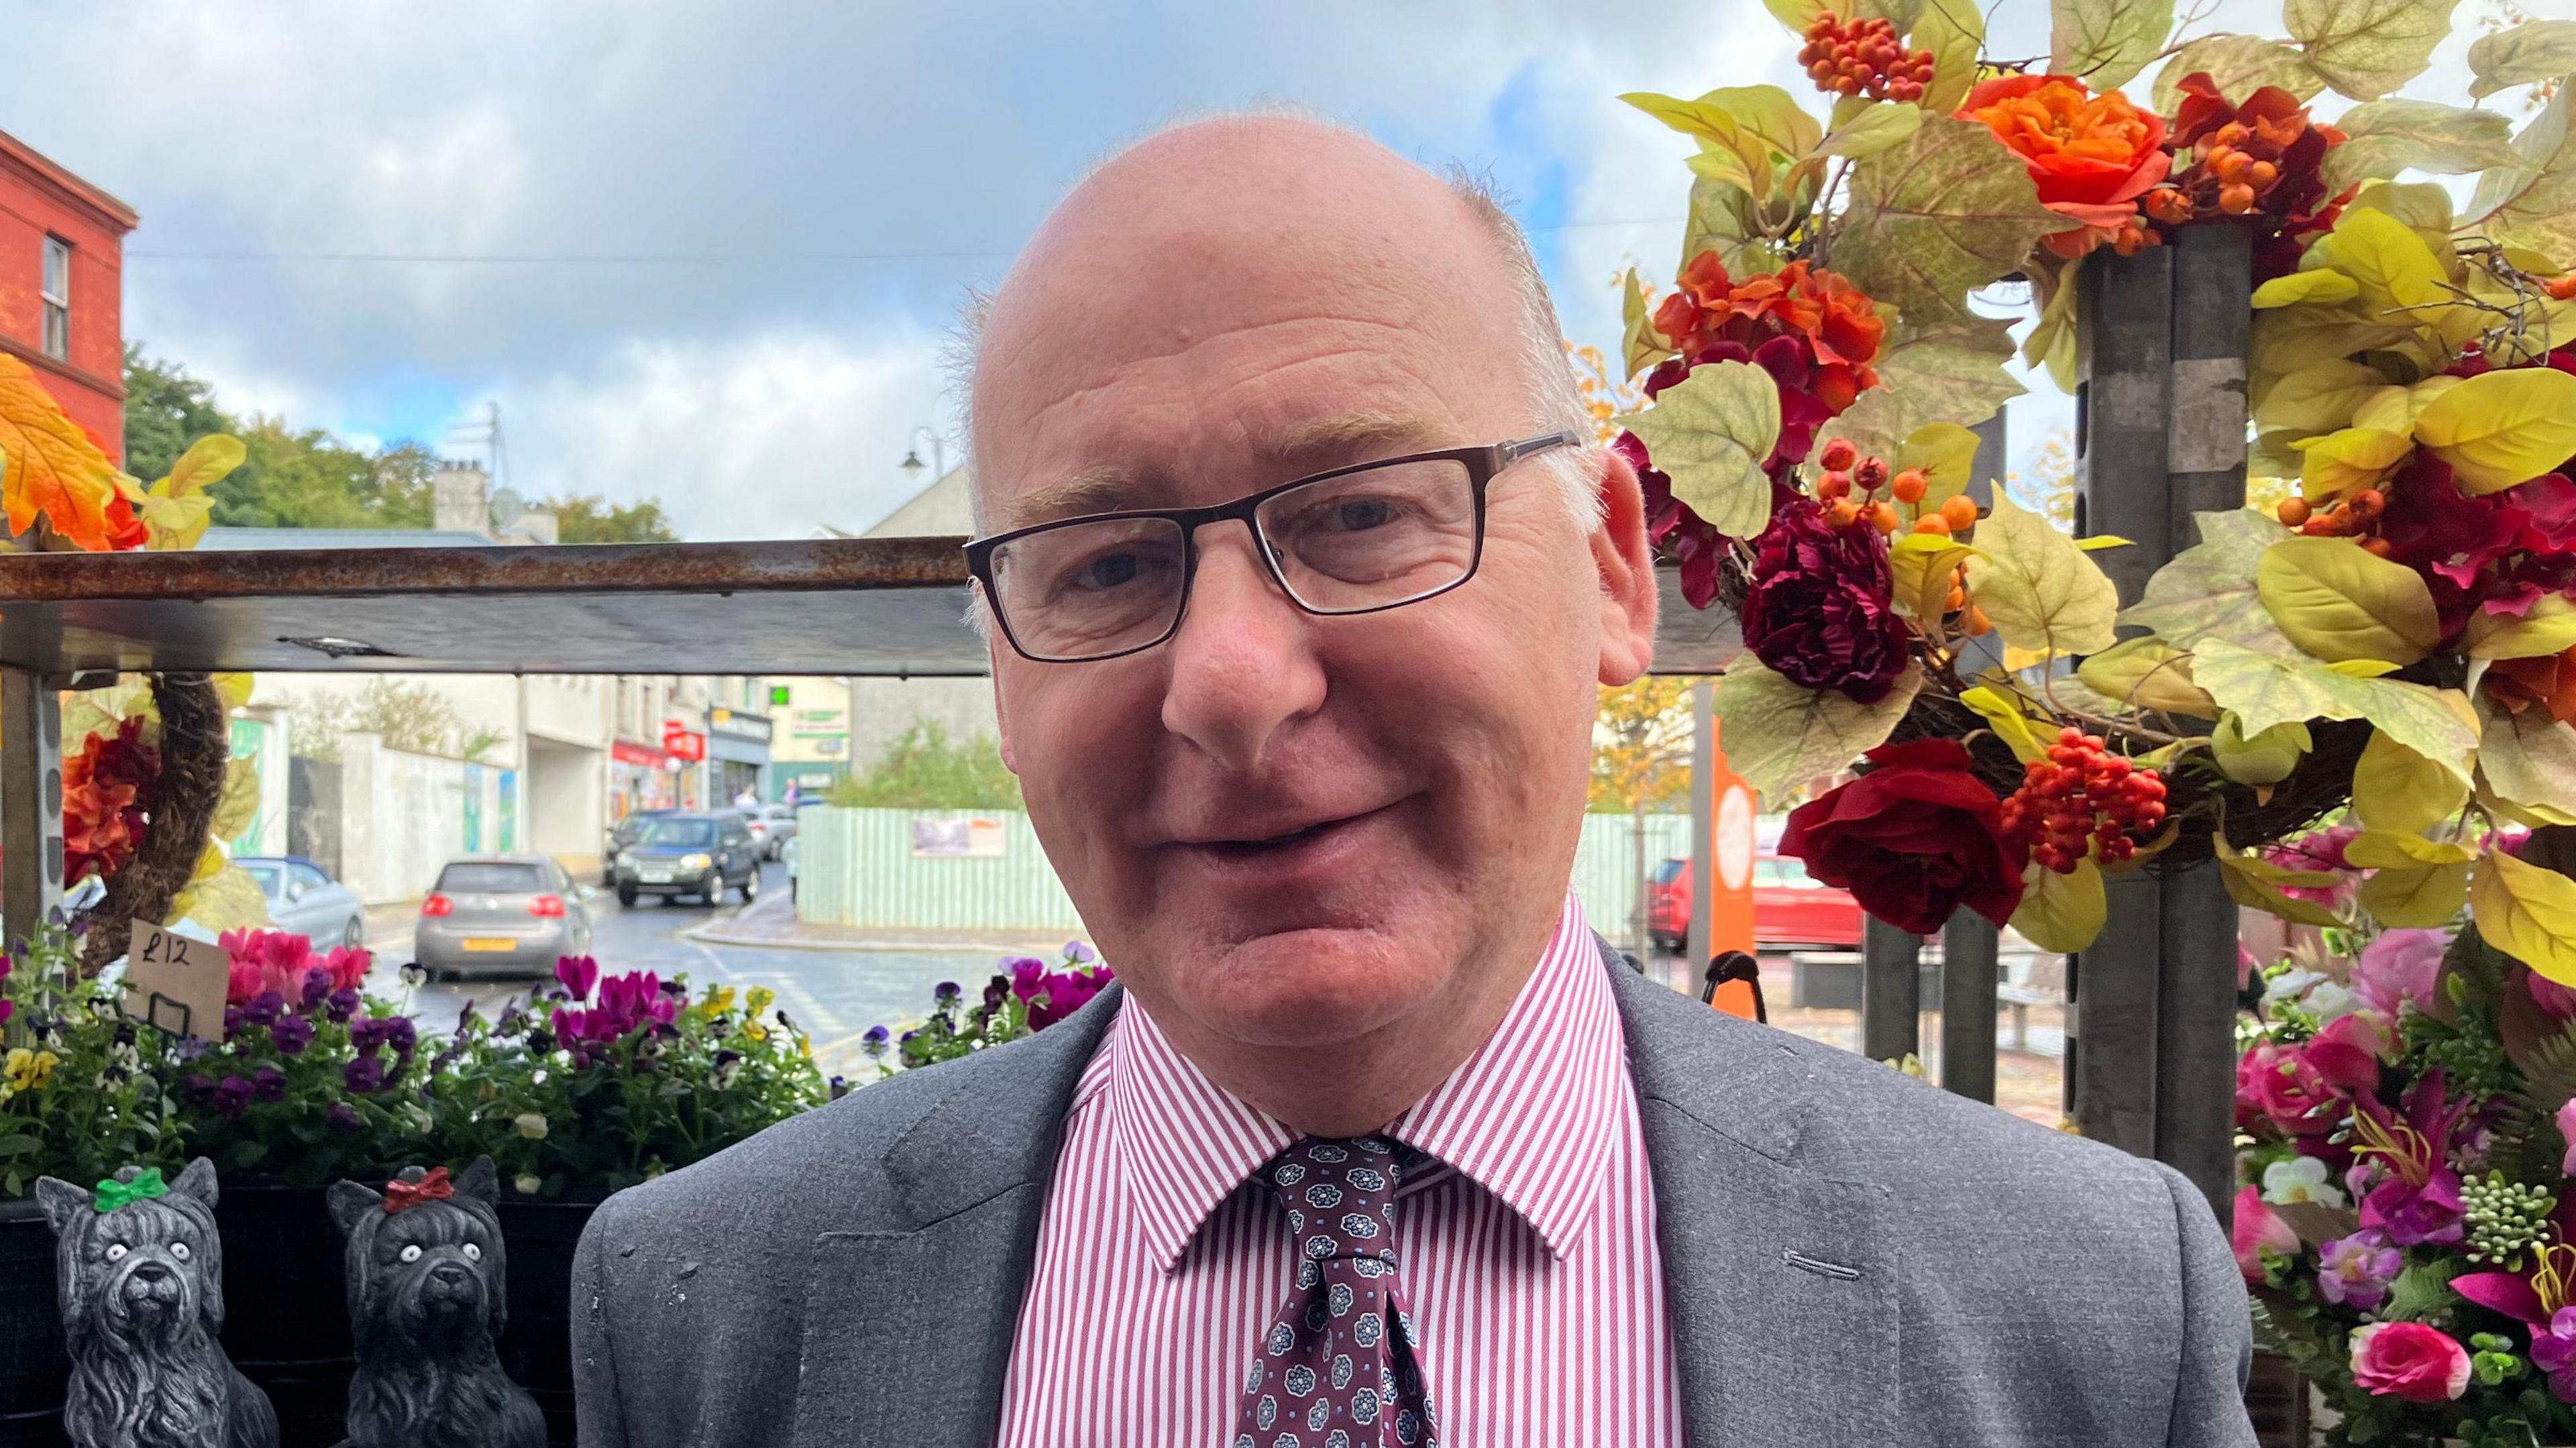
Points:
(1691, 118)
(1957, 375)
(2041, 590)
(2502, 428)
(2023, 734)
(1780, 736)
(1799, 14)
(2536, 50)
(1710, 433)
(2393, 135)
(2266, 758)
(1947, 454)
(2238, 65)
(1924, 565)
(1954, 32)
(2421, 1293)
(2061, 913)
(2208, 590)
(2265, 690)
(1930, 220)
(2547, 627)
(1721, 220)
(1769, 115)
(2416, 897)
(2289, 338)
(2367, 48)
(2105, 42)
(2396, 789)
(2533, 201)
(2528, 912)
(2147, 673)
(2338, 601)
(2321, 287)
(1873, 130)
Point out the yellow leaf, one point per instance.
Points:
(1717, 163)
(2528, 912)
(2363, 668)
(2266, 758)
(206, 462)
(1641, 345)
(226, 900)
(2386, 410)
(176, 524)
(2389, 264)
(2533, 202)
(1947, 454)
(2532, 51)
(233, 689)
(2147, 673)
(2103, 542)
(2389, 850)
(2061, 913)
(1954, 34)
(1925, 565)
(2028, 741)
(2367, 48)
(2345, 461)
(2323, 285)
(1691, 118)
(238, 806)
(2395, 788)
(2239, 65)
(2416, 897)
(48, 465)
(2042, 592)
(1711, 433)
(2338, 601)
(1770, 116)
(2422, 207)
(2528, 760)
(2547, 627)
(2501, 428)
(2257, 884)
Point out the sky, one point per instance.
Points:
(712, 251)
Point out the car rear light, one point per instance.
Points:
(437, 905)
(547, 907)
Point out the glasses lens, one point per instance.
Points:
(1090, 589)
(1374, 537)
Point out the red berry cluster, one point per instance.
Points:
(2081, 790)
(1864, 58)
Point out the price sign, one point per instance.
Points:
(176, 983)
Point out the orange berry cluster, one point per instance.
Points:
(2237, 162)
(1851, 482)
(2082, 791)
(2563, 289)
(2353, 514)
(1864, 58)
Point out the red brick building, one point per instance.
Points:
(62, 287)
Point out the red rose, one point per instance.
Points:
(2409, 1361)
(1912, 840)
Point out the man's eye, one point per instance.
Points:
(1108, 571)
(1354, 515)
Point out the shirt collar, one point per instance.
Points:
(1531, 1115)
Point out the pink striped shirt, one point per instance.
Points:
(1528, 1249)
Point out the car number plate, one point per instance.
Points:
(655, 877)
(490, 942)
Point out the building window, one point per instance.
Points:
(58, 299)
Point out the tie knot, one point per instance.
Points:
(1339, 1196)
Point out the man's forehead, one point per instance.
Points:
(1282, 450)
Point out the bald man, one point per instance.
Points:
(1300, 571)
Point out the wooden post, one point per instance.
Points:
(2213, 323)
(1891, 991)
(31, 801)
(1969, 971)
(2123, 410)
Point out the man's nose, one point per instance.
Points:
(1241, 666)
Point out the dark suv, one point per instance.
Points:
(688, 854)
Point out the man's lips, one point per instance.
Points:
(1254, 838)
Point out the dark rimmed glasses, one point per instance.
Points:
(1360, 539)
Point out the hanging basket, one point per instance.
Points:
(196, 744)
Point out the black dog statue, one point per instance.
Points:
(141, 1276)
(425, 1308)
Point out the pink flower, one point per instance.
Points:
(2555, 1000)
(2306, 1089)
(347, 967)
(263, 960)
(1065, 992)
(578, 973)
(2567, 1133)
(2400, 967)
(2258, 1227)
(2355, 1271)
(2409, 1361)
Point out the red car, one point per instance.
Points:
(1789, 908)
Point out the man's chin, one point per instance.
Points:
(1309, 987)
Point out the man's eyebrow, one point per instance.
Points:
(1353, 437)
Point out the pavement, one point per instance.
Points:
(834, 990)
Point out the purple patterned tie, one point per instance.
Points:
(1339, 1367)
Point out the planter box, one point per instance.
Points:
(286, 1323)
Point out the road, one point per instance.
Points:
(834, 996)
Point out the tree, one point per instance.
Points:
(590, 518)
(311, 479)
(1641, 756)
(924, 769)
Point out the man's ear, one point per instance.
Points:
(994, 647)
(1625, 559)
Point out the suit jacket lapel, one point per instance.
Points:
(908, 1330)
(1778, 1268)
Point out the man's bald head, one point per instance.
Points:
(1156, 226)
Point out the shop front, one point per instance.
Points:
(640, 777)
(737, 754)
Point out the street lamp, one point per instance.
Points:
(911, 463)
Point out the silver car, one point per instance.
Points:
(304, 901)
(501, 915)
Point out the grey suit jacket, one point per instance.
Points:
(1853, 1259)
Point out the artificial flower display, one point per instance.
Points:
(1914, 838)
(2091, 157)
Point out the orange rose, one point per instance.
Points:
(2548, 682)
(1840, 325)
(2091, 156)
